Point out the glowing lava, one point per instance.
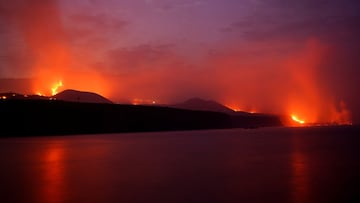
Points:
(143, 102)
(296, 119)
(233, 107)
(55, 88)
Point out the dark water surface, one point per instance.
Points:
(318, 164)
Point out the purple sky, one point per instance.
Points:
(276, 56)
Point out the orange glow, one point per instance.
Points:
(289, 85)
(237, 108)
(296, 119)
(306, 96)
(54, 89)
(53, 57)
(276, 84)
(234, 108)
(83, 81)
(143, 101)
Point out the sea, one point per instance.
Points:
(307, 164)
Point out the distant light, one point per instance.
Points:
(153, 102)
(3, 97)
(25, 95)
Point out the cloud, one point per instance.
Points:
(87, 27)
(326, 27)
(301, 81)
(283, 27)
(297, 20)
(141, 56)
(155, 71)
(170, 5)
(98, 21)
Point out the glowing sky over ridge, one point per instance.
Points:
(285, 57)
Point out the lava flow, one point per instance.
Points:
(297, 120)
(54, 89)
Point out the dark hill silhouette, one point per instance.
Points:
(81, 96)
(55, 117)
(238, 118)
(198, 104)
(17, 96)
(76, 112)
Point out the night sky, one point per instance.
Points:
(285, 57)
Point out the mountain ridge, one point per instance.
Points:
(199, 104)
(72, 95)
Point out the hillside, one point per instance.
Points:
(81, 96)
(203, 105)
(78, 112)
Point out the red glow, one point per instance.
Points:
(307, 98)
(53, 62)
(284, 85)
(84, 81)
(289, 86)
(277, 75)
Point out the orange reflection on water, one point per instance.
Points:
(300, 173)
(54, 173)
